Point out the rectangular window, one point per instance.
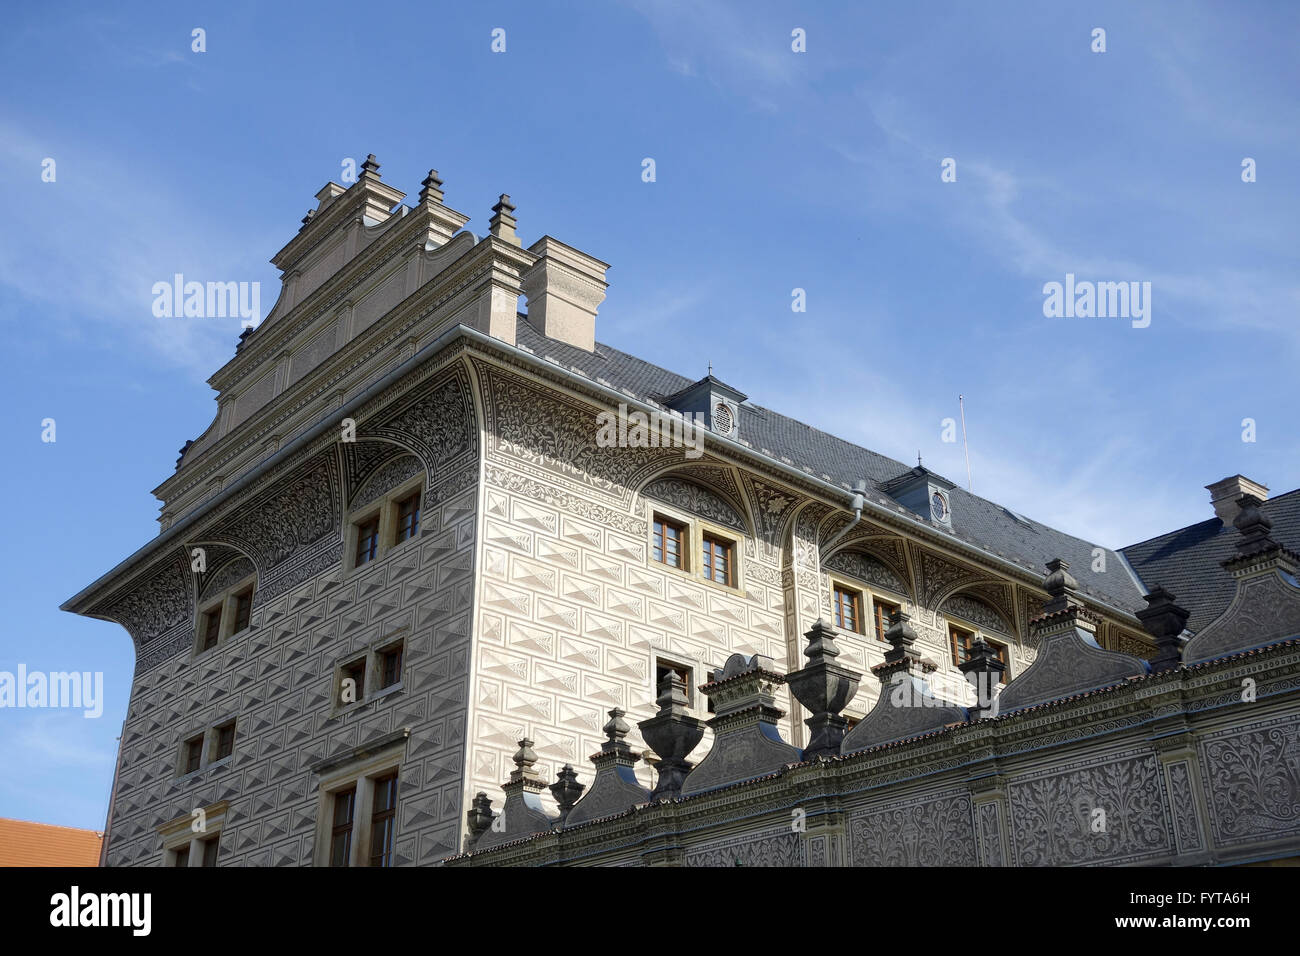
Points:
(962, 640)
(356, 690)
(668, 538)
(243, 606)
(211, 629)
(884, 610)
(181, 856)
(408, 517)
(367, 541)
(390, 666)
(717, 560)
(193, 753)
(848, 609)
(382, 821)
(345, 803)
(225, 741)
(210, 846)
(664, 668)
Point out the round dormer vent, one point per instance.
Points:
(723, 421)
(938, 506)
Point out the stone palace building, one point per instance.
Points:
(399, 576)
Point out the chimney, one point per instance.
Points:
(1224, 495)
(564, 288)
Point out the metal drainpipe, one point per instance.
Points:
(859, 500)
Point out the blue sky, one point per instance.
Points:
(775, 170)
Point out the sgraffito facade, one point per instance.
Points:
(399, 550)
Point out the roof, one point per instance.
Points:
(1186, 562)
(975, 520)
(23, 843)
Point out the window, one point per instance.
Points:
(210, 846)
(408, 517)
(225, 615)
(663, 668)
(717, 560)
(187, 842)
(225, 741)
(357, 821)
(668, 540)
(345, 802)
(243, 605)
(390, 666)
(962, 639)
(193, 754)
(382, 820)
(211, 628)
(848, 609)
(376, 527)
(352, 684)
(367, 541)
(884, 611)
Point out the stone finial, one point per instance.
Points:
(525, 757)
(522, 811)
(566, 790)
(825, 688)
(502, 224)
(1060, 584)
(746, 740)
(311, 214)
(615, 787)
(984, 670)
(480, 817)
(672, 733)
(431, 188)
(1254, 527)
(1165, 621)
(370, 168)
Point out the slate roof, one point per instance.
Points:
(975, 520)
(1186, 562)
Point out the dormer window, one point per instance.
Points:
(711, 401)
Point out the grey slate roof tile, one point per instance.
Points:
(975, 519)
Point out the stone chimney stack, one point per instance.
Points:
(1224, 495)
(564, 288)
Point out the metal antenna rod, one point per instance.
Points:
(961, 402)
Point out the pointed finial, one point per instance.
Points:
(370, 167)
(918, 458)
(502, 224)
(616, 728)
(710, 366)
(431, 188)
(525, 756)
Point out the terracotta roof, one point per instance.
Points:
(23, 843)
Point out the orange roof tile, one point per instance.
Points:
(23, 843)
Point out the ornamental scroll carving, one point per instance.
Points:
(387, 477)
(696, 499)
(1106, 812)
(162, 601)
(868, 568)
(934, 833)
(977, 612)
(1254, 778)
(294, 514)
(1266, 608)
(772, 849)
(439, 423)
(538, 429)
(227, 576)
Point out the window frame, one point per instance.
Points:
(859, 604)
(385, 509)
(180, 838)
(371, 658)
(695, 531)
(683, 529)
(1002, 646)
(361, 775)
(223, 608)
